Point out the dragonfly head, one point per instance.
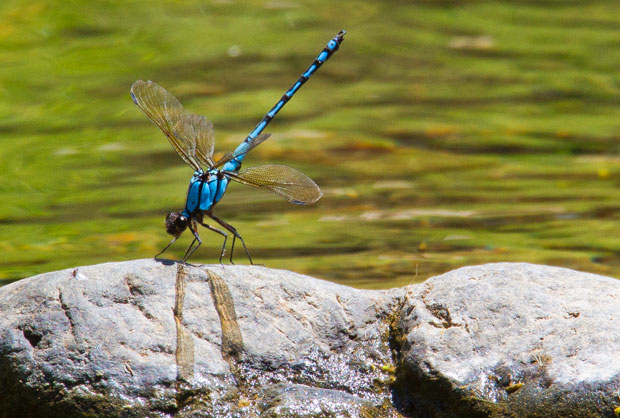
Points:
(176, 223)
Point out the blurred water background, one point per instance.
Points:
(443, 133)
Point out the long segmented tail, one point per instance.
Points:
(331, 47)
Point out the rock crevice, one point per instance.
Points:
(147, 338)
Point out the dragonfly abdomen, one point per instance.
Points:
(331, 47)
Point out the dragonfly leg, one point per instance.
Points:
(232, 250)
(166, 247)
(232, 229)
(188, 253)
(194, 230)
(224, 234)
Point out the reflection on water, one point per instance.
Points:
(442, 134)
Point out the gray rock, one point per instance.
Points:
(511, 339)
(161, 339)
(305, 401)
(144, 338)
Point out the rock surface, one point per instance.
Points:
(144, 338)
(513, 339)
(162, 339)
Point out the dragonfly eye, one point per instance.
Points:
(175, 223)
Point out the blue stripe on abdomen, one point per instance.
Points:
(331, 47)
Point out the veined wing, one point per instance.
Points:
(244, 148)
(195, 128)
(168, 114)
(283, 180)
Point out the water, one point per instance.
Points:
(443, 134)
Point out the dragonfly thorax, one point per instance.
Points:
(205, 176)
(204, 191)
(198, 175)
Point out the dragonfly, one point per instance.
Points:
(192, 137)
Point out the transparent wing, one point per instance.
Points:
(194, 128)
(168, 114)
(244, 148)
(285, 181)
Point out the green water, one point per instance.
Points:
(443, 133)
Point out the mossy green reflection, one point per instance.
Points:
(447, 134)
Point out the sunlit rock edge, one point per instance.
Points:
(153, 338)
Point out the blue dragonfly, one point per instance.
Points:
(192, 137)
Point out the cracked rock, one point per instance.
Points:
(147, 338)
(511, 339)
(162, 339)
